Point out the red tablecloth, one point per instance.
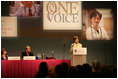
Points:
(25, 68)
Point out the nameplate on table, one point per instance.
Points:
(14, 58)
(29, 58)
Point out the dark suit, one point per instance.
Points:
(25, 54)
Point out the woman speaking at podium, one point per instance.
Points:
(76, 44)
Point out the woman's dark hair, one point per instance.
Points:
(2, 50)
(75, 37)
(94, 14)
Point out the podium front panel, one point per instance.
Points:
(78, 60)
(79, 56)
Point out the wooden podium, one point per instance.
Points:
(79, 56)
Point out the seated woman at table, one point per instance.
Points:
(4, 55)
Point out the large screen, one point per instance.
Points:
(25, 8)
(97, 24)
(62, 15)
(90, 20)
(9, 26)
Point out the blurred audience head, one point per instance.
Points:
(60, 71)
(105, 72)
(43, 67)
(96, 65)
(79, 67)
(43, 70)
(65, 66)
(73, 72)
(86, 69)
(51, 72)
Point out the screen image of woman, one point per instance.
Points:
(96, 32)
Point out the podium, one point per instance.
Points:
(79, 56)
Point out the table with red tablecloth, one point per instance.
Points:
(26, 68)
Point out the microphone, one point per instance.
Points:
(52, 53)
(72, 45)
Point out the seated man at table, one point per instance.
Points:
(27, 52)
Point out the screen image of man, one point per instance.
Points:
(28, 9)
(27, 52)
